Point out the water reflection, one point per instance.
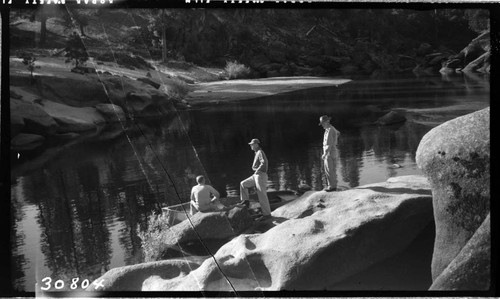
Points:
(88, 201)
(292, 141)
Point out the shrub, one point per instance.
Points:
(236, 70)
(151, 238)
(175, 89)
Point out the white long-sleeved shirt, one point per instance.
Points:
(330, 140)
(201, 196)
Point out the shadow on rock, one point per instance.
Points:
(262, 226)
(426, 192)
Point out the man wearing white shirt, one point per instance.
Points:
(257, 180)
(203, 197)
(330, 152)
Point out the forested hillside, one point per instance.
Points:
(272, 42)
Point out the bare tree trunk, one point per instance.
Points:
(43, 30)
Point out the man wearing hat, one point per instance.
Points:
(257, 180)
(330, 152)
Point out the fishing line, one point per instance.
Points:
(184, 131)
(199, 161)
(121, 122)
(149, 144)
(154, 152)
(175, 188)
(111, 101)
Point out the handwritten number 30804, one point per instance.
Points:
(59, 284)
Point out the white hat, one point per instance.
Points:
(323, 119)
(255, 140)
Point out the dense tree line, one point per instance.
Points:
(209, 36)
(369, 38)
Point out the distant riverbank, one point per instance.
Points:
(233, 90)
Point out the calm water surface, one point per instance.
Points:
(77, 215)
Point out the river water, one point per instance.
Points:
(77, 215)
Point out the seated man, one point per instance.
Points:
(204, 198)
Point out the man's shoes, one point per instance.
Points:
(330, 189)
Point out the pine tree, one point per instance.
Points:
(29, 61)
(75, 50)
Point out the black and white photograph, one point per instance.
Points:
(232, 148)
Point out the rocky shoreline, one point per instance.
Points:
(307, 245)
(63, 108)
(322, 239)
(454, 156)
(273, 255)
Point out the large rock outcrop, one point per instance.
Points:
(130, 278)
(89, 90)
(30, 118)
(328, 237)
(207, 226)
(62, 104)
(475, 57)
(73, 119)
(72, 89)
(455, 157)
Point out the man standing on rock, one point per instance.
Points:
(204, 198)
(330, 152)
(257, 180)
